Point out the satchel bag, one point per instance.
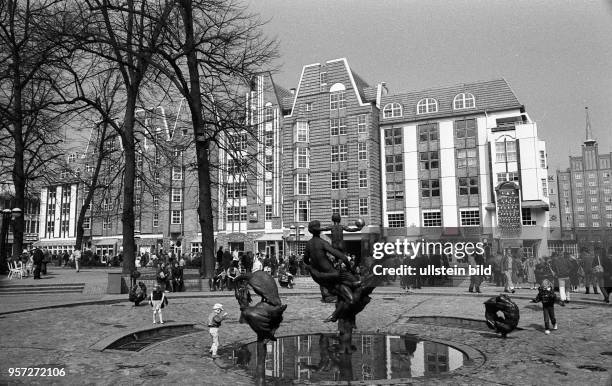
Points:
(598, 269)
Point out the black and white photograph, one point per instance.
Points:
(284, 192)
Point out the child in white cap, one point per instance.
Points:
(157, 302)
(214, 322)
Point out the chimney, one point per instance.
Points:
(589, 131)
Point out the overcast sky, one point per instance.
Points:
(556, 55)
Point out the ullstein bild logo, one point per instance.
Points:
(414, 248)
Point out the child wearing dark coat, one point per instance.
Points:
(546, 295)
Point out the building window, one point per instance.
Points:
(432, 219)
(337, 126)
(464, 101)
(236, 213)
(177, 173)
(106, 223)
(301, 131)
(156, 176)
(429, 160)
(302, 211)
(595, 224)
(505, 151)
(510, 176)
(427, 105)
(470, 217)
(302, 184)
(87, 223)
(362, 151)
(595, 216)
(428, 132)
(362, 121)
(177, 195)
(155, 220)
(363, 178)
(393, 136)
(395, 220)
(89, 168)
(336, 100)
(72, 157)
(392, 110)
(395, 190)
(65, 225)
(233, 190)
(394, 163)
(527, 217)
(155, 203)
(340, 207)
(578, 176)
(268, 212)
(468, 186)
(581, 224)
(467, 158)
(542, 159)
(106, 205)
(593, 199)
(268, 187)
(302, 157)
(137, 183)
(465, 128)
(338, 153)
(308, 106)
(50, 227)
(594, 208)
(323, 78)
(269, 138)
(544, 187)
(269, 163)
(269, 113)
(430, 188)
(339, 180)
(363, 206)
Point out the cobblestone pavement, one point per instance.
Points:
(63, 337)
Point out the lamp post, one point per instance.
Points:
(8, 216)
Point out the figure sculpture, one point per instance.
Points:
(265, 317)
(340, 280)
(508, 308)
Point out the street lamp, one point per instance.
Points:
(8, 216)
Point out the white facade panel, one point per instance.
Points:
(411, 177)
(73, 210)
(42, 228)
(58, 211)
(448, 185)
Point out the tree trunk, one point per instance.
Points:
(127, 216)
(19, 177)
(205, 212)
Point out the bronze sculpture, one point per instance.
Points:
(265, 317)
(352, 292)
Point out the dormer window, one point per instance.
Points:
(464, 101)
(427, 105)
(392, 110)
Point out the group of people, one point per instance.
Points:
(230, 265)
(169, 276)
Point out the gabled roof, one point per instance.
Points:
(285, 98)
(492, 95)
(361, 86)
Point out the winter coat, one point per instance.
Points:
(546, 295)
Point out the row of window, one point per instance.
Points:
(430, 105)
(467, 217)
(431, 188)
(302, 208)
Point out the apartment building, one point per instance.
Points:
(464, 161)
(585, 190)
(331, 155)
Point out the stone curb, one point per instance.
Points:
(102, 344)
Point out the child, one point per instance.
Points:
(546, 295)
(214, 322)
(157, 301)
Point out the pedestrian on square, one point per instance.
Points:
(588, 262)
(476, 260)
(76, 255)
(38, 261)
(157, 301)
(546, 295)
(507, 272)
(605, 279)
(561, 266)
(257, 264)
(574, 273)
(530, 265)
(214, 323)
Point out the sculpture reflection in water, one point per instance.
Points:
(330, 268)
(264, 318)
(313, 358)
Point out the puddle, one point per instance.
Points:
(317, 358)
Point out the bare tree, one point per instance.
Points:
(125, 34)
(30, 92)
(212, 49)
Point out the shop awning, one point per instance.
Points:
(535, 204)
(270, 237)
(54, 242)
(109, 241)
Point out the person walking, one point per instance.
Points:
(476, 260)
(588, 262)
(214, 323)
(157, 301)
(530, 264)
(38, 261)
(546, 295)
(76, 255)
(561, 267)
(220, 255)
(507, 272)
(605, 281)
